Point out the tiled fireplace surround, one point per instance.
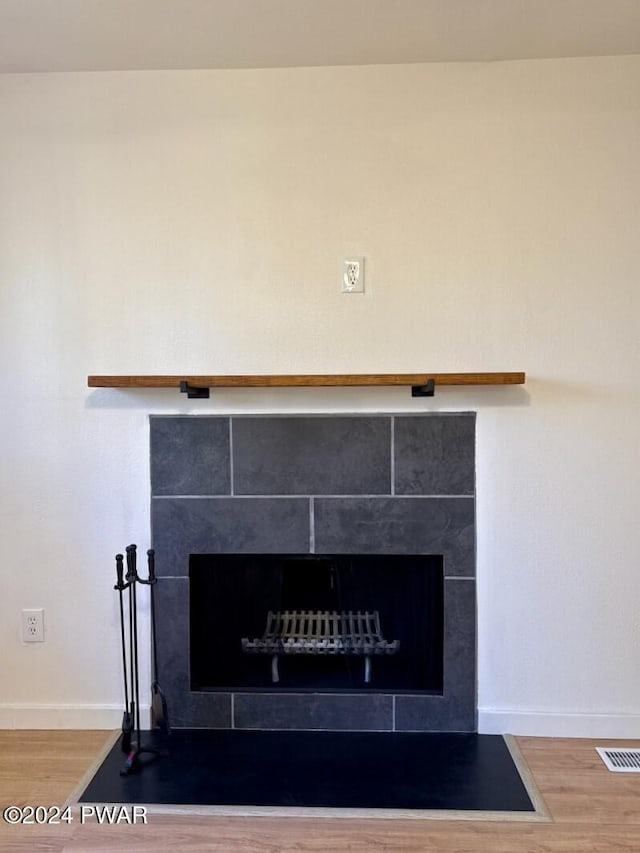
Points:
(323, 484)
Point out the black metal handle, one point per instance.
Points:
(131, 563)
(134, 561)
(119, 573)
(151, 561)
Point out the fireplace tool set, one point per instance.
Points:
(131, 742)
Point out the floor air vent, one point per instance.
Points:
(624, 760)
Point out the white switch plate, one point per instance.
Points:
(353, 275)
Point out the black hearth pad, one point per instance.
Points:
(318, 769)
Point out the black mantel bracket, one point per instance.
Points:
(193, 392)
(426, 390)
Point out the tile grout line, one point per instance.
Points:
(231, 472)
(393, 454)
(312, 526)
(350, 496)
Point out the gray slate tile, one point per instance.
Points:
(312, 455)
(190, 456)
(183, 526)
(435, 455)
(398, 526)
(335, 712)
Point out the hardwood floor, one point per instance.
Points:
(592, 810)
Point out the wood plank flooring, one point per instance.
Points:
(593, 811)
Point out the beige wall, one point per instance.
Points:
(196, 222)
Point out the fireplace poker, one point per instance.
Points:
(131, 579)
(134, 571)
(127, 720)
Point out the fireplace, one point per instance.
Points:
(320, 623)
(320, 517)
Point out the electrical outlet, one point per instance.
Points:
(33, 626)
(353, 275)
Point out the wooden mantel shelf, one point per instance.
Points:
(422, 384)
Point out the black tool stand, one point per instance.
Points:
(131, 734)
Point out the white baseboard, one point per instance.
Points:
(550, 724)
(16, 716)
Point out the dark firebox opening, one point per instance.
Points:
(231, 595)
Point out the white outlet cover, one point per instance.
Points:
(32, 625)
(353, 274)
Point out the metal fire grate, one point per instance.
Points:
(321, 632)
(624, 760)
